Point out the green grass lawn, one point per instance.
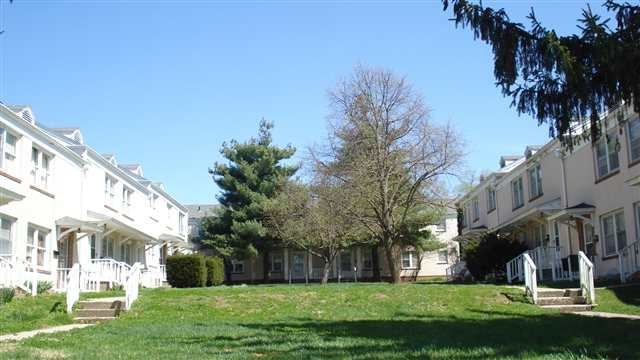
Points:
(409, 321)
(28, 313)
(619, 299)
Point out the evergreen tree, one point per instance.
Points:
(561, 79)
(253, 174)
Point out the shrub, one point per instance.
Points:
(186, 271)
(215, 271)
(490, 254)
(44, 286)
(6, 295)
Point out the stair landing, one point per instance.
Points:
(99, 310)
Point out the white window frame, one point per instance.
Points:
(446, 256)
(615, 215)
(535, 181)
(476, 209)
(10, 239)
(441, 226)
(8, 155)
(412, 256)
(40, 167)
(109, 189)
(609, 140)
(491, 199)
(237, 266)
(517, 193)
(127, 194)
(277, 258)
(34, 248)
(630, 141)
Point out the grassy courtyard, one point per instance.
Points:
(341, 321)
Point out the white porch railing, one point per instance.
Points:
(163, 271)
(586, 278)
(515, 268)
(62, 276)
(73, 287)
(629, 258)
(16, 272)
(152, 277)
(550, 258)
(530, 278)
(110, 270)
(132, 284)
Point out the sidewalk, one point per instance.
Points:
(27, 334)
(607, 315)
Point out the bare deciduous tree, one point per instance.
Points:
(388, 157)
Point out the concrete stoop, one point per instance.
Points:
(98, 310)
(563, 300)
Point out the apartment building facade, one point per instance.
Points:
(62, 203)
(559, 202)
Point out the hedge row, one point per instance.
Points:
(194, 270)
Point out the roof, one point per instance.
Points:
(199, 211)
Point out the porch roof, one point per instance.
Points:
(579, 210)
(110, 223)
(80, 225)
(171, 238)
(548, 208)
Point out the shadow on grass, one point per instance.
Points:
(435, 337)
(629, 295)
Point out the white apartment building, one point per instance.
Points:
(62, 203)
(562, 202)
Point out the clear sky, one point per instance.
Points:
(165, 83)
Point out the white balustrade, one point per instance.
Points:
(629, 260)
(73, 287)
(586, 278)
(515, 268)
(132, 284)
(530, 277)
(61, 278)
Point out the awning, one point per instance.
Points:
(578, 211)
(7, 196)
(543, 210)
(171, 238)
(110, 223)
(471, 234)
(80, 225)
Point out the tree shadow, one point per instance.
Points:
(628, 294)
(491, 335)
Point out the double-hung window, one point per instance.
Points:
(276, 263)
(606, 155)
(634, 139)
(40, 168)
(409, 260)
(38, 251)
(614, 232)
(6, 236)
(476, 209)
(491, 199)
(109, 190)
(441, 226)
(237, 266)
(535, 182)
(8, 152)
(367, 259)
(443, 256)
(127, 194)
(517, 193)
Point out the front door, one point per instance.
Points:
(66, 247)
(297, 265)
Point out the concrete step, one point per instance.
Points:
(569, 308)
(82, 313)
(544, 293)
(561, 300)
(93, 319)
(101, 304)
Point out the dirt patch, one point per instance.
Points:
(279, 297)
(220, 302)
(380, 296)
(50, 354)
(7, 347)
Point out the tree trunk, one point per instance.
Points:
(393, 257)
(325, 272)
(375, 263)
(266, 267)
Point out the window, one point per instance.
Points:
(109, 190)
(443, 256)
(126, 200)
(345, 261)
(476, 209)
(535, 182)
(517, 193)
(181, 223)
(107, 248)
(237, 266)
(463, 214)
(613, 232)
(538, 234)
(634, 139)
(92, 244)
(37, 246)
(6, 238)
(367, 259)
(606, 155)
(491, 199)
(409, 260)
(7, 150)
(153, 200)
(276, 263)
(441, 226)
(40, 168)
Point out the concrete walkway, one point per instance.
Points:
(27, 334)
(607, 315)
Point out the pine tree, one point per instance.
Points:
(251, 176)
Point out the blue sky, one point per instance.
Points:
(164, 83)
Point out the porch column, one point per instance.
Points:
(310, 265)
(286, 264)
(358, 263)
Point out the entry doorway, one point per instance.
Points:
(66, 249)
